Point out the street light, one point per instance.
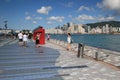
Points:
(5, 27)
(5, 24)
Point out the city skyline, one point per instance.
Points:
(29, 14)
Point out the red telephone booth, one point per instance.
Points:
(41, 31)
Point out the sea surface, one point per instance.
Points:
(104, 41)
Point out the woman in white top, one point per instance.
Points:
(69, 40)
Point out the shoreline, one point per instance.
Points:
(109, 42)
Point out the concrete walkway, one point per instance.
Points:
(49, 62)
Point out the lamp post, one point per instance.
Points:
(5, 27)
(5, 24)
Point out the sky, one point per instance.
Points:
(29, 14)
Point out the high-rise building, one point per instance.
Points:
(107, 28)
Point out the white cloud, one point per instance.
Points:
(109, 18)
(38, 18)
(28, 18)
(70, 16)
(84, 8)
(91, 18)
(56, 18)
(34, 22)
(84, 17)
(44, 10)
(99, 5)
(110, 4)
(33, 18)
(49, 22)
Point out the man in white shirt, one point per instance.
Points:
(20, 36)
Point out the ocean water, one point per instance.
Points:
(104, 41)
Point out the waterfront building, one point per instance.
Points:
(76, 28)
(98, 30)
(5, 31)
(103, 30)
(81, 29)
(17, 31)
(53, 31)
(88, 29)
(66, 26)
(93, 31)
(118, 29)
(114, 29)
(71, 29)
(107, 28)
(110, 29)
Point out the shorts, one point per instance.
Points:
(37, 42)
(20, 40)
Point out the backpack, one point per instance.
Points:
(71, 40)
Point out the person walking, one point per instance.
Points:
(48, 37)
(20, 36)
(37, 40)
(69, 41)
(25, 40)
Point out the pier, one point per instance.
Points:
(50, 62)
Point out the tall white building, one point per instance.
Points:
(88, 29)
(107, 28)
(76, 28)
(98, 30)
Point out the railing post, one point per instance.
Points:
(82, 53)
(80, 50)
(79, 47)
(96, 56)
